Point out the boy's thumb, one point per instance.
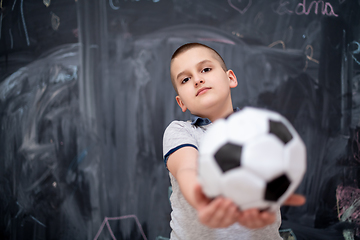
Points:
(200, 197)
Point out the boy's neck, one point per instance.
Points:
(220, 112)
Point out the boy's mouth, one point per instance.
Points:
(202, 91)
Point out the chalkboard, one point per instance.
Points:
(30, 28)
(85, 97)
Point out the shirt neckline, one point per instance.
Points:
(199, 121)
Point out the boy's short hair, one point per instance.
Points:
(189, 46)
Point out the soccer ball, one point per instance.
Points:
(254, 157)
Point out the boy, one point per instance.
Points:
(202, 82)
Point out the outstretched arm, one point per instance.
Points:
(217, 213)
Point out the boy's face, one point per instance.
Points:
(202, 84)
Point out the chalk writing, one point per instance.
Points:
(240, 7)
(303, 8)
(106, 222)
(326, 8)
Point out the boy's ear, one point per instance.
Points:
(181, 104)
(232, 77)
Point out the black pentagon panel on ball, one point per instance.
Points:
(276, 188)
(280, 130)
(228, 156)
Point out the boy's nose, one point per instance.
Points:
(197, 82)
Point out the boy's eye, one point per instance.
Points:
(185, 80)
(206, 70)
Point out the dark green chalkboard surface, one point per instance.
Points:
(85, 96)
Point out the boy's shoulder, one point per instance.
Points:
(177, 125)
(180, 134)
(184, 129)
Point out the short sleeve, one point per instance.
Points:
(177, 135)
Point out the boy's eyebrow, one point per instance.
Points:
(199, 63)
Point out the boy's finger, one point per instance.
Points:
(249, 218)
(268, 217)
(225, 214)
(254, 219)
(295, 200)
(206, 215)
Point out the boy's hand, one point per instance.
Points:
(217, 213)
(221, 212)
(295, 200)
(253, 218)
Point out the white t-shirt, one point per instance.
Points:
(184, 221)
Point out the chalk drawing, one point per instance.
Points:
(259, 19)
(111, 3)
(11, 39)
(356, 147)
(37, 221)
(309, 56)
(232, 3)
(237, 34)
(287, 234)
(288, 35)
(161, 238)
(276, 43)
(356, 51)
(55, 21)
(12, 9)
(217, 40)
(106, 222)
(23, 21)
(75, 32)
(348, 205)
(1, 17)
(47, 2)
(32, 217)
(77, 160)
(282, 9)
